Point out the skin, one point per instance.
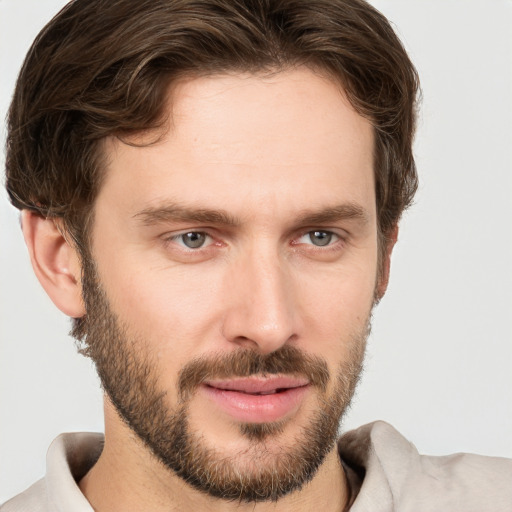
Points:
(275, 154)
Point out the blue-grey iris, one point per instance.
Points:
(320, 238)
(194, 239)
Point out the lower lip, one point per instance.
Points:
(257, 408)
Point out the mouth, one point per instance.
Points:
(259, 385)
(257, 399)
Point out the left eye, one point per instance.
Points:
(192, 239)
(318, 238)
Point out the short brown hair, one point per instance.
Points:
(103, 67)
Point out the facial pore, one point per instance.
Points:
(128, 377)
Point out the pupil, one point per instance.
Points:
(320, 237)
(193, 240)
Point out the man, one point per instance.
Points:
(211, 190)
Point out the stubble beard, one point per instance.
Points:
(261, 472)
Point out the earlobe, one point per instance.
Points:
(55, 263)
(385, 264)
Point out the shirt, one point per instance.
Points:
(385, 474)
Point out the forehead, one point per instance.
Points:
(277, 141)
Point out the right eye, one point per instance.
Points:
(192, 239)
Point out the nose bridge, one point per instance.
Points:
(263, 311)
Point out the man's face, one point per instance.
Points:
(235, 265)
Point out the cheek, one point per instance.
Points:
(336, 307)
(178, 310)
(171, 308)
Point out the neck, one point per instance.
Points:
(128, 478)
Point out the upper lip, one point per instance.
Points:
(258, 384)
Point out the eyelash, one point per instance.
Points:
(176, 238)
(330, 234)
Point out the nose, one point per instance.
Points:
(262, 312)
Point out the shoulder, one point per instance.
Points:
(69, 458)
(395, 474)
(34, 499)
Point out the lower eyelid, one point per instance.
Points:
(335, 237)
(207, 242)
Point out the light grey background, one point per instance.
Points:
(440, 356)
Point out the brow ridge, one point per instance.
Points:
(175, 212)
(178, 213)
(345, 211)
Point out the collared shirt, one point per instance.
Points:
(385, 474)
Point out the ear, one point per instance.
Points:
(385, 263)
(55, 262)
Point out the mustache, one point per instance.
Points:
(245, 363)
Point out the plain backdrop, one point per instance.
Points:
(440, 355)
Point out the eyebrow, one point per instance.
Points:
(345, 211)
(178, 213)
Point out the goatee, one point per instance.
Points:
(128, 374)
